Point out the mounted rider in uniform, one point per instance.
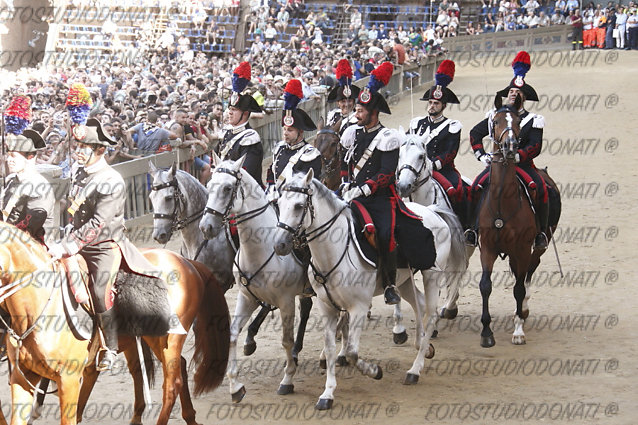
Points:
(344, 94)
(368, 169)
(443, 137)
(241, 139)
(293, 154)
(98, 234)
(530, 144)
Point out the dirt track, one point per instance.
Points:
(579, 362)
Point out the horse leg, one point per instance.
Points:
(451, 283)
(139, 404)
(188, 411)
(534, 263)
(520, 269)
(399, 334)
(331, 316)
(68, 392)
(407, 293)
(343, 328)
(3, 421)
(287, 341)
(39, 399)
(243, 309)
(22, 401)
(428, 321)
(168, 349)
(250, 345)
(487, 262)
(305, 305)
(89, 377)
(357, 317)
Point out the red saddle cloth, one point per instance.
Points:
(365, 220)
(77, 277)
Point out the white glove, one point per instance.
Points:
(272, 194)
(56, 251)
(355, 192)
(344, 187)
(517, 158)
(486, 159)
(68, 229)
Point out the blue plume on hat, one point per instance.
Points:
(445, 73)
(521, 64)
(380, 77)
(293, 93)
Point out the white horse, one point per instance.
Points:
(414, 182)
(343, 280)
(262, 276)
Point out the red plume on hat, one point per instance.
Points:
(18, 115)
(380, 77)
(293, 93)
(445, 73)
(241, 77)
(521, 64)
(344, 72)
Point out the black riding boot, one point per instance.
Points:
(471, 233)
(389, 276)
(541, 242)
(3, 334)
(108, 323)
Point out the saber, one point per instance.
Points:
(560, 268)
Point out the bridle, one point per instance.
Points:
(498, 141)
(226, 215)
(300, 236)
(417, 173)
(179, 201)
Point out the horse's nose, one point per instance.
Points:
(161, 238)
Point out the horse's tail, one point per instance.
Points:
(149, 363)
(212, 334)
(459, 258)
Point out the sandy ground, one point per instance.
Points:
(578, 365)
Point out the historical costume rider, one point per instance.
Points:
(344, 94)
(241, 139)
(442, 137)
(368, 170)
(530, 144)
(293, 154)
(98, 234)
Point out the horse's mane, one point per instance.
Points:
(10, 234)
(190, 181)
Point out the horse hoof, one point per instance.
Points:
(286, 389)
(430, 353)
(342, 361)
(323, 364)
(250, 348)
(524, 314)
(369, 315)
(400, 338)
(239, 395)
(411, 379)
(487, 341)
(379, 374)
(324, 404)
(449, 313)
(518, 339)
(435, 333)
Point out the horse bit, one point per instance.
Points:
(178, 198)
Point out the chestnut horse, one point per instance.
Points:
(30, 291)
(507, 225)
(327, 142)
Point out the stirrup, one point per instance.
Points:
(541, 242)
(471, 238)
(390, 295)
(308, 291)
(107, 360)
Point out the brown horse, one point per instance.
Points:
(327, 141)
(29, 291)
(507, 223)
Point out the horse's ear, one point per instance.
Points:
(518, 102)
(498, 101)
(216, 159)
(173, 169)
(240, 162)
(309, 176)
(321, 123)
(151, 167)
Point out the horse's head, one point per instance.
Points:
(225, 195)
(167, 201)
(505, 127)
(327, 142)
(414, 167)
(296, 211)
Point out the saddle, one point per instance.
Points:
(140, 302)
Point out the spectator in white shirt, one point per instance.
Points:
(373, 33)
(531, 5)
(543, 20)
